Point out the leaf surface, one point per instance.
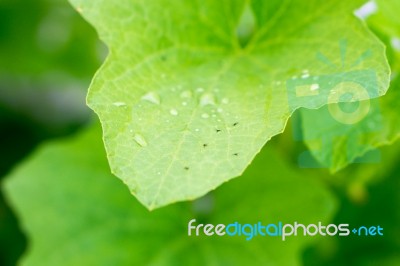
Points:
(191, 91)
(335, 143)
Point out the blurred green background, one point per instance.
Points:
(48, 55)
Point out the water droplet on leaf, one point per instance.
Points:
(152, 97)
(140, 140)
(314, 87)
(207, 99)
(119, 104)
(225, 101)
(186, 94)
(173, 112)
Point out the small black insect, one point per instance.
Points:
(235, 124)
(218, 130)
(236, 154)
(186, 168)
(205, 145)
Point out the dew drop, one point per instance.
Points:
(140, 140)
(173, 112)
(207, 99)
(314, 87)
(186, 94)
(220, 110)
(205, 115)
(119, 104)
(199, 90)
(197, 130)
(306, 75)
(184, 103)
(152, 97)
(225, 100)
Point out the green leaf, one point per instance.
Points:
(335, 143)
(191, 91)
(386, 23)
(73, 210)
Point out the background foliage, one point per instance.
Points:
(63, 195)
